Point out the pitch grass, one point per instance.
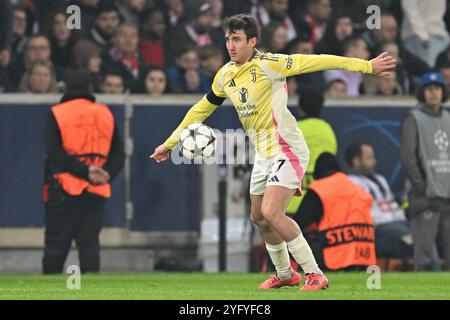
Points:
(228, 286)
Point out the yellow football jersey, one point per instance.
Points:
(258, 91)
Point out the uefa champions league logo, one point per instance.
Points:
(441, 140)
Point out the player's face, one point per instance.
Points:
(239, 47)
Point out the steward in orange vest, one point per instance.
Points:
(84, 153)
(339, 210)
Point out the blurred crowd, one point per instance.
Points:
(157, 47)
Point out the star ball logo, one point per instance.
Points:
(243, 95)
(441, 140)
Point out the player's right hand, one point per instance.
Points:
(161, 153)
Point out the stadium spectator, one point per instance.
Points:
(39, 78)
(274, 37)
(156, 82)
(444, 69)
(130, 11)
(424, 154)
(424, 33)
(89, 12)
(314, 80)
(6, 32)
(211, 60)
(232, 7)
(84, 153)
(86, 55)
(20, 38)
(443, 59)
(317, 132)
(123, 57)
(338, 29)
(174, 11)
(393, 237)
(105, 25)
(354, 47)
(311, 23)
(153, 44)
(403, 77)
(388, 32)
(185, 76)
(336, 213)
(216, 12)
(274, 10)
(301, 46)
(62, 39)
(37, 48)
(389, 87)
(386, 39)
(336, 89)
(112, 84)
(196, 30)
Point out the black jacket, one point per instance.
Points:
(58, 160)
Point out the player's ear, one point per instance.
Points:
(253, 41)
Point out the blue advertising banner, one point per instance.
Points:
(165, 197)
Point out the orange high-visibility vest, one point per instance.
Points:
(86, 132)
(346, 229)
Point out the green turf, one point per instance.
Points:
(228, 286)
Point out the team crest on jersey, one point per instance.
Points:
(253, 73)
(243, 95)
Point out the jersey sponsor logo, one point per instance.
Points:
(243, 95)
(348, 233)
(232, 84)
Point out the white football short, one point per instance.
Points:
(283, 169)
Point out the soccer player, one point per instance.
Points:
(255, 82)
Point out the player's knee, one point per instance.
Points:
(256, 217)
(271, 215)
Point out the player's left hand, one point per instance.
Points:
(383, 64)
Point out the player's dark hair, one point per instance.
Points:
(244, 22)
(353, 151)
(326, 165)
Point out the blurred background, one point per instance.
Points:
(152, 60)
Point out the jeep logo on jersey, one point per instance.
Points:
(243, 95)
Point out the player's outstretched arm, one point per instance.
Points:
(378, 66)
